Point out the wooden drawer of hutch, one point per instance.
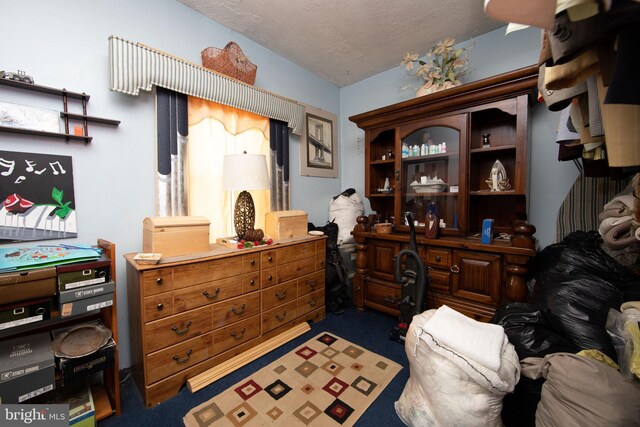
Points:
(278, 295)
(278, 316)
(237, 333)
(310, 302)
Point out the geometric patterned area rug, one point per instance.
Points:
(326, 381)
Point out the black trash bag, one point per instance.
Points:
(529, 332)
(575, 283)
(519, 408)
(335, 278)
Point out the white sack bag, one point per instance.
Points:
(344, 210)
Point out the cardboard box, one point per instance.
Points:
(77, 275)
(175, 235)
(24, 312)
(26, 285)
(86, 292)
(487, 231)
(286, 224)
(26, 368)
(85, 366)
(85, 305)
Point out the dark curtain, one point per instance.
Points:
(279, 158)
(172, 138)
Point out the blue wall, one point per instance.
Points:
(63, 44)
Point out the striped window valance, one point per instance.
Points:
(134, 66)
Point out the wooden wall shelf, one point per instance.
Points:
(66, 115)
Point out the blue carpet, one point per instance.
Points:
(369, 330)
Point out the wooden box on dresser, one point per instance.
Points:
(470, 127)
(189, 314)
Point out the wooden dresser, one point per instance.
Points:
(189, 314)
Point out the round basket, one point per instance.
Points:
(383, 228)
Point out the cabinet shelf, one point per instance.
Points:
(441, 156)
(487, 193)
(65, 115)
(492, 149)
(382, 162)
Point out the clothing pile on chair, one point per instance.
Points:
(460, 371)
(588, 58)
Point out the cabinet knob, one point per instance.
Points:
(215, 294)
(438, 258)
(281, 317)
(252, 282)
(238, 311)
(238, 335)
(269, 277)
(313, 302)
(175, 329)
(253, 262)
(455, 269)
(159, 307)
(270, 258)
(159, 281)
(281, 295)
(183, 359)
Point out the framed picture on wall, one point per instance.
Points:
(319, 147)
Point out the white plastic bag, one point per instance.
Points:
(344, 210)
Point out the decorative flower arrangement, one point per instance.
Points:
(443, 67)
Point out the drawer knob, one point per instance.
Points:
(270, 258)
(175, 329)
(281, 295)
(252, 282)
(237, 311)
(159, 281)
(455, 269)
(253, 262)
(183, 359)
(313, 302)
(238, 335)
(212, 296)
(281, 317)
(269, 277)
(322, 262)
(159, 307)
(438, 258)
(312, 283)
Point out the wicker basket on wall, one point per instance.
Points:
(230, 61)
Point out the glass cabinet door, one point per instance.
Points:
(433, 161)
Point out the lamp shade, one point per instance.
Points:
(245, 172)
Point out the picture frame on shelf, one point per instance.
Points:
(319, 148)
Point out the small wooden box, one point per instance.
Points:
(286, 224)
(175, 235)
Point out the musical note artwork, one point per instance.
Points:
(37, 200)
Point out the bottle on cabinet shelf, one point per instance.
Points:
(432, 221)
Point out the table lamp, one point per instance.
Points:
(243, 172)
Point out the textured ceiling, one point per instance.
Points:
(345, 41)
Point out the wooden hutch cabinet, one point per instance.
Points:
(443, 150)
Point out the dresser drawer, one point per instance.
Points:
(234, 309)
(292, 253)
(177, 328)
(440, 280)
(250, 282)
(158, 306)
(201, 272)
(278, 294)
(268, 259)
(310, 283)
(439, 258)
(237, 333)
(207, 293)
(157, 281)
(170, 360)
(268, 277)
(251, 262)
(310, 302)
(278, 316)
(295, 269)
